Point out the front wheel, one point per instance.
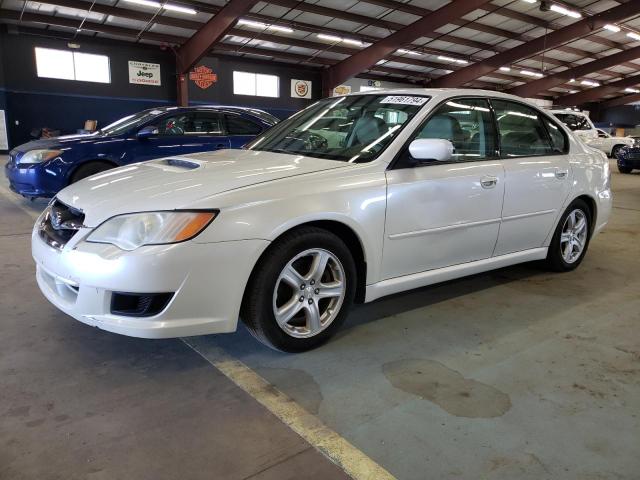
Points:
(615, 150)
(301, 290)
(88, 169)
(624, 169)
(571, 238)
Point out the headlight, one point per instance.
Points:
(131, 231)
(39, 156)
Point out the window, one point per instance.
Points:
(66, 65)
(573, 121)
(558, 138)
(173, 124)
(204, 123)
(236, 125)
(255, 84)
(522, 133)
(467, 124)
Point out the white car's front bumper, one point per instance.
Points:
(207, 281)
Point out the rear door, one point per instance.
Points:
(446, 213)
(240, 129)
(537, 175)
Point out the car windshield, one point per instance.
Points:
(354, 129)
(574, 122)
(129, 122)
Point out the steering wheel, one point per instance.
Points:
(314, 142)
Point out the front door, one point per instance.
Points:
(538, 175)
(443, 214)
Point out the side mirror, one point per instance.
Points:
(431, 149)
(147, 132)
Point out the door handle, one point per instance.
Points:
(488, 182)
(561, 174)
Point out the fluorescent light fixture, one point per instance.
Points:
(632, 90)
(380, 62)
(408, 52)
(572, 80)
(590, 83)
(176, 8)
(146, 3)
(565, 11)
(264, 26)
(612, 28)
(530, 1)
(350, 41)
(505, 69)
(634, 35)
(573, 91)
(335, 38)
(529, 73)
(451, 59)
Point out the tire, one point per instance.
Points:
(90, 168)
(615, 150)
(624, 169)
(563, 255)
(271, 288)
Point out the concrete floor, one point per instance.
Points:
(517, 373)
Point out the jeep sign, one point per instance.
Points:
(144, 73)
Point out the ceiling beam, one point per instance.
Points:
(594, 94)
(565, 76)
(208, 35)
(625, 100)
(546, 42)
(369, 56)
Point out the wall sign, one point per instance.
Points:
(203, 76)
(143, 73)
(341, 90)
(301, 88)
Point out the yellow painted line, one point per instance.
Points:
(355, 463)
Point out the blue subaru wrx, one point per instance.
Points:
(41, 168)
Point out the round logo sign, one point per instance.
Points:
(302, 88)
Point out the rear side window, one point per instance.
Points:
(204, 123)
(522, 131)
(558, 138)
(236, 125)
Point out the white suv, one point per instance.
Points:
(579, 123)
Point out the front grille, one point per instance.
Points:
(139, 304)
(60, 223)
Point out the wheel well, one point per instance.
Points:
(593, 212)
(616, 146)
(349, 237)
(87, 162)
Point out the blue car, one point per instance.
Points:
(629, 157)
(41, 168)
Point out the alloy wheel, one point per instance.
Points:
(309, 293)
(574, 236)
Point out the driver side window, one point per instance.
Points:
(172, 125)
(467, 123)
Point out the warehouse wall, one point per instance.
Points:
(33, 102)
(221, 92)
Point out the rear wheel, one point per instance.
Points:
(88, 169)
(571, 238)
(624, 169)
(300, 291)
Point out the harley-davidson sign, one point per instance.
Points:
(203, 76)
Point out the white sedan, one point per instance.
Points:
(426, 185)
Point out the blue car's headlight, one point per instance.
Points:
(38, 156)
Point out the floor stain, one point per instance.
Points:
(459, 396)
(299, 385)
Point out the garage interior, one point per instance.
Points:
(511, 374)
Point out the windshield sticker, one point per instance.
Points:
(405, 100)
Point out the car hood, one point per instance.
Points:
(64, 141)
(177, 182)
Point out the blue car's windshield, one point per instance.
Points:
(129, 122)
(353, 129)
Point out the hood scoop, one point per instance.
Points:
(177, 164)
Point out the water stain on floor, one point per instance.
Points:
(447, 388)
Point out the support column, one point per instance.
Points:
(182, 90)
